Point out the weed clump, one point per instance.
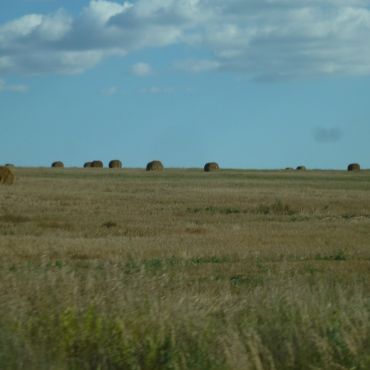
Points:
(109, 224)
(278, 208)
(337, 256)
(6, 176)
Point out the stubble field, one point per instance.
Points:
(234, 270)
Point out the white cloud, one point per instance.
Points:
(4, 87)
(197, 66)
(19, 28)
(5, 63)
(109, 91)
(49, 27)
(265, 39)
(157, 90)
(142, 69)
(55, 27)
(101, 10)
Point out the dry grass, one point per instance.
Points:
(6, 176)
(130, 270)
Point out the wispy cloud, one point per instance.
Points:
(109, 91)
(39, 1)
(142, 69)
(157, 90)
(198, 66)
(263, 39)
(4, 87)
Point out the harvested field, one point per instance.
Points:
(238, 270)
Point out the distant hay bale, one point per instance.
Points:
(87, 164)
(6, 176)
(211, 166)
(97, 164)
(154, 166)
(354, 167)
(301, 168)
(57, 164)
(115, 163)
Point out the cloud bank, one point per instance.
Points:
(264, 39)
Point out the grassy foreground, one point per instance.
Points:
(236, 270)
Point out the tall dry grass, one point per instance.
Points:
(185, 270)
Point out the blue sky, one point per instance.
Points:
(247, 83)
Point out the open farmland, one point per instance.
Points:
(231, 270)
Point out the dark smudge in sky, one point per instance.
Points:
(327, 135)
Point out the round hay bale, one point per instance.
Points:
(154, 166)
(57, 164)
(211, 166)
(97, 164)
(87, 164)
(115, 163)
(6, 176)
(354, 167)
(301, 168)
